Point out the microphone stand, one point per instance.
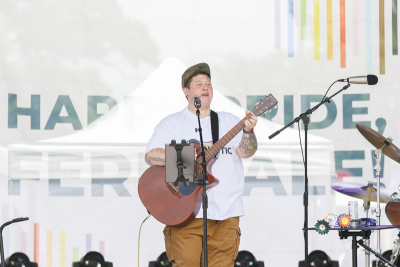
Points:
(1, 236)
(204, 182)
(304, 117)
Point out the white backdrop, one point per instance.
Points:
(83, 84)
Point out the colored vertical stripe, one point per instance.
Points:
(23, 242)
(395, 38)
(277, 24)
(382, 36)
(102, 248)
(303, 20)
(62, 249)
(329, 29)
(355, 29)
(36, 242)
(368, 6)
(290, 29)
(342, 34)
(316, 31)
(88, 243)
(49, 248)
(75, 254)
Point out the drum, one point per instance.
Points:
(392, 209)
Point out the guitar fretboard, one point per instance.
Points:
(210, 153)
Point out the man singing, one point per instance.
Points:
(225, 205)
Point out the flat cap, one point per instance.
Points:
(201, 67)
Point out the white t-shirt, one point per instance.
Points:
(224, 200)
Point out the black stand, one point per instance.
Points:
(306, 120)
(365, 234)
(1, 236)
(204, 182)
(179, 162)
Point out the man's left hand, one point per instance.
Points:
(250, 123)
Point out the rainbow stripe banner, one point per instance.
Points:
(316, 31)
(329, 30)
(382, 36)
(355, 22)
(63, 247)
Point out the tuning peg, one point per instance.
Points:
(255, 104)
(264, 115)
(269, 111)
(276, 106)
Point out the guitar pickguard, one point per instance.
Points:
(187, 190)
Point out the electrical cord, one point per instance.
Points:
(301, 146)
(298, 123)
(140, 229)
(328, 91)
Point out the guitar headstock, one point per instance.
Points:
(264, 105)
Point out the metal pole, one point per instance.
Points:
(377, 169)
(367, 254)
(306, 120)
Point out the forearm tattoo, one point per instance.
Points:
(156, 159)
(248, 143)
(157, 156)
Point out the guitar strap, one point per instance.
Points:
(214, 126)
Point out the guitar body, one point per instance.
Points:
(168, 206)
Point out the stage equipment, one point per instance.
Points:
(247, 259)
(203, 182)
(364, 233)
(386, 147)
(387, 255)
(367, 192)
(179, 205)
(369, 79)
(92, 259)
(306, 120)
(179, 163)
(322, 227)
(1, 236)
(392, 209)
(19, 259)
(319, 258)
(162, 261)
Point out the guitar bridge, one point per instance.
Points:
(174, 190)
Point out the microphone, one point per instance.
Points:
(369, 79)
(196, 101)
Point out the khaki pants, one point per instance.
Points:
(184, 244)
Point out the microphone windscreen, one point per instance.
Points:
(372, 79)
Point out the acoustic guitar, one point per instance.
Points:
(179, 205)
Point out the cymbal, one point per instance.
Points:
(366, 192)
(378, 141)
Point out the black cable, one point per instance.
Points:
(328, 91)
(301, 146)
(298, 122)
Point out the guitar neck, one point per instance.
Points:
(210, 153)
